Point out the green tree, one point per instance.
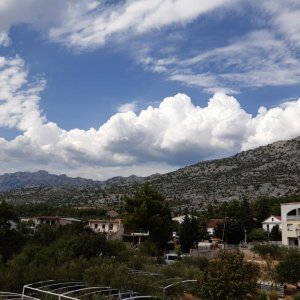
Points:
(229, 277)
(202, 225)
(276, 233)
(185, 234)
(288, 270)
(263, 209)
(147, 210)
(232, 230)
(11, 240)
(88, 244)
(245, 216)
(7, 213)
(257, 234)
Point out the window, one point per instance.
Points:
(272, 219)
(292, 215)
(289, 227)
(103, 226)
(111, 226)
(96, 226)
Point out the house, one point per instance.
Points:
(112, 214)
(113, 228)
(136, 238)
(56, 220)
(50, 220)
(270, 222)
(180, 219)
(212, 224)
(290, 223)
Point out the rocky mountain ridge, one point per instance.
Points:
(19, 180)
(267, 171)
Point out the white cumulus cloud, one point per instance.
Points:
(85, 24)
(157, 139)
(131, 106)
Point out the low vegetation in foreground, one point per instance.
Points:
(74, 252)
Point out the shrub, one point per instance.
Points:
(288, 270)
(264, 251)
(229, 277)
(257, 234)
(198, 262)
(273, 295)
(107, 273)
(261, 296)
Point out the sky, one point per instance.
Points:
(112, 88)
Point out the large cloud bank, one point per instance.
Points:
(159, 138)
(266, 55)
(85, 24)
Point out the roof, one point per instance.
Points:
(290, 203)
(106, 221)
(180, 219)
(213, 223)
(112, 213)
(47, 217)
(268, 220)
(70, 219)
(215, 238)
(55, 218)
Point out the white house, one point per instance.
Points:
(180, 219)
(112, 227)
(290, 223)
(270, 222)
(50, 220)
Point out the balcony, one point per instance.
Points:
(293, 218)
(293, 215)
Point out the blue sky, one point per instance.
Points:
(106, 88)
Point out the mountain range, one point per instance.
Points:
(267, 171)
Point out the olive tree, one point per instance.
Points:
(229, 277)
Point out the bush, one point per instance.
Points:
(139, 261)
(229, 277)
(264, 251)
(148, 248)
(107, 273)
(198, 262)
(273, 295)
(118, 250)
(261, 296)
(257, 234)
(180, 269)
(288, 270)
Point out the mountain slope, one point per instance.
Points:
(268, 171)
(40, 179)
(273, 170)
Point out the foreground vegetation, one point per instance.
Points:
(74, 252)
